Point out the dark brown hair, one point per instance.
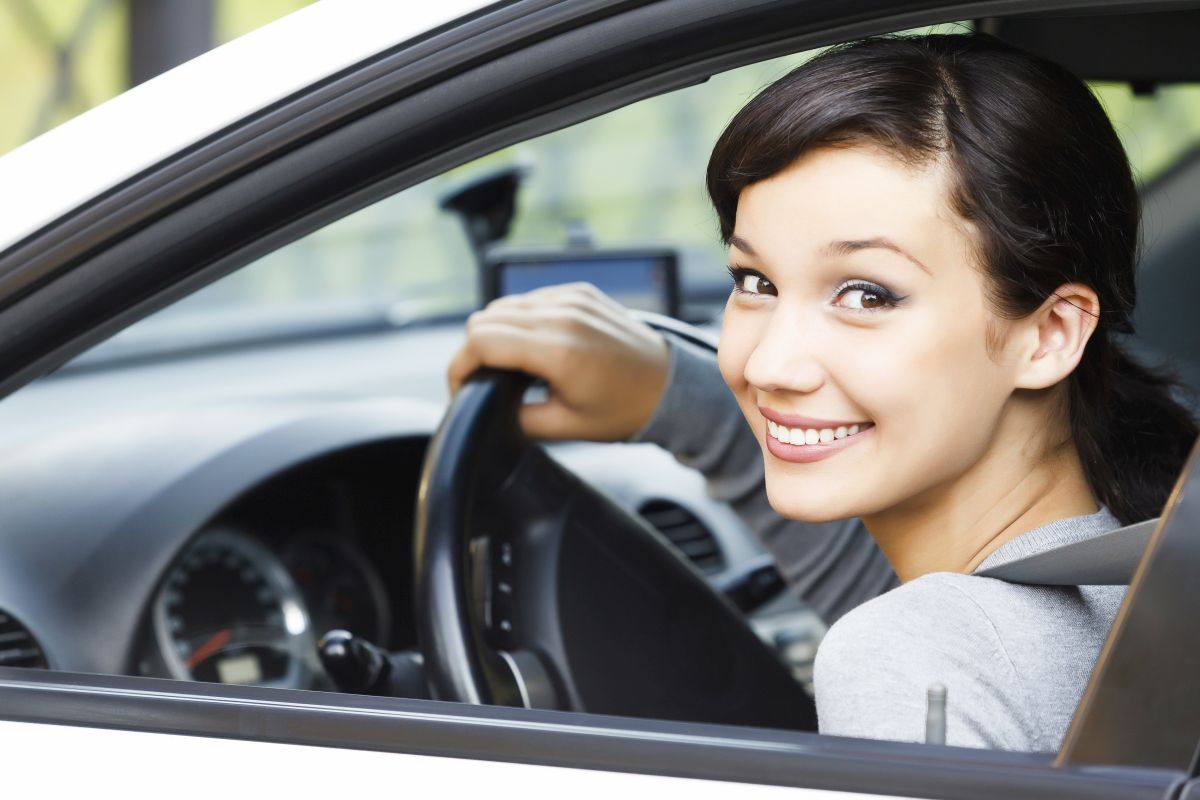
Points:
(1039, 170)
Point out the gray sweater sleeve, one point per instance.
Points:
(832, 566)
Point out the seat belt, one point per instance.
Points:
(1107, 559)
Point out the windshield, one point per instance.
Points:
(633, 177)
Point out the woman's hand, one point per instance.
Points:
(606, 370)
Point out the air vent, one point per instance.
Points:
(686, 532)
(18, 648)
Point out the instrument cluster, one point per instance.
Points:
(321, 545)
(233, 610)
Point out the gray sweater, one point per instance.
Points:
(1015, 659)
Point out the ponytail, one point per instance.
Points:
(1132, 435)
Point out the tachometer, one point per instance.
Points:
(229, 612)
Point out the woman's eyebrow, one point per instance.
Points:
(848, 246)
(843, 248)
(742, 244)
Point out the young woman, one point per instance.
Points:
(932, 243)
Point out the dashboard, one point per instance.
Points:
(210, 518)
(325, 545)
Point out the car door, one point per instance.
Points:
(499, 75)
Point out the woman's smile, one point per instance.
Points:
(804, 439)
(863, 334)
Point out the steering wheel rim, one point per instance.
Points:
(484, 412)
(482, 476)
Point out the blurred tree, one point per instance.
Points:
(58, 58)
(58, 39)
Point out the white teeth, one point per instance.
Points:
(808, 436)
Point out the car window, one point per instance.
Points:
(631, 178)
(1157, 128)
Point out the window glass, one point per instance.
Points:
(1157, 129)
(633, 177)
(630, 178)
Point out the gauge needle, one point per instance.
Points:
(214, 643)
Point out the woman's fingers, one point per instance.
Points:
(550, 420)
(475, 352)
(465, 362)
(606, 369)
(504, 345)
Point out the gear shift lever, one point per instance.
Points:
(359, 667)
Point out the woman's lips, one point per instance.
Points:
(847, 433)
(804, 453)
(796, 421)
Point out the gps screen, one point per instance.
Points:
(641, 282)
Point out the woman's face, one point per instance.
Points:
(857, 307)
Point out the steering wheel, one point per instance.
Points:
(534, 589)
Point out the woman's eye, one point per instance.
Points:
(747, 281)
(863, 296)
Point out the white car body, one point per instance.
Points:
(105, 145)
(149, 764)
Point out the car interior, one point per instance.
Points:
(210, 492)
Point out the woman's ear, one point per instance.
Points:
(1056, 334)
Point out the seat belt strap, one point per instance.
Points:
(1107, 559)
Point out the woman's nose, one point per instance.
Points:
(784, 359)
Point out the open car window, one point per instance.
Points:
(631, 178)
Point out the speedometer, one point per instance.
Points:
(228, 612)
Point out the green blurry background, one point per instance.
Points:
(631, 177)
(61, 57)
